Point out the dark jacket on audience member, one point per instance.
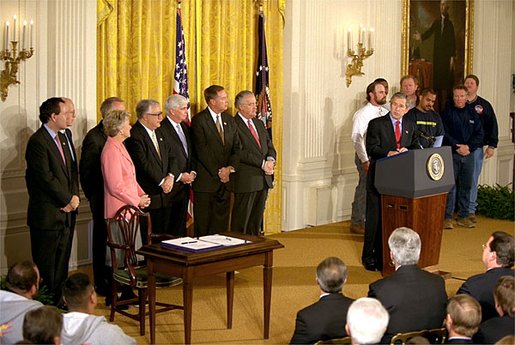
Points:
(481, 287)
(415, 300)
(322, 320)
(494, 330)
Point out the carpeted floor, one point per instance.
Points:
(294, 285)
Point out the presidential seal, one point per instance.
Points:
(435, 166)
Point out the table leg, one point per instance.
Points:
(187, 295)
(267, 292)
(230, 297)
(151, 300)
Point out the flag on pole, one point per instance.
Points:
(264, 107)
(180, 87)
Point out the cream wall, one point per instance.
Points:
(64, 64)
(319, 174)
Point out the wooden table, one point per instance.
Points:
(188, 265)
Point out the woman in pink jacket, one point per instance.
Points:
(120, 185)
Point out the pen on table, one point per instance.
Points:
(188, 242)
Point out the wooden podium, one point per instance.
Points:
(413, 188)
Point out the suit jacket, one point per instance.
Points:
(183, 158)
(381, 136)
(459, 341)
(210, 154)
(151, 167)
(91, 178)
(50, 182)
(120, 185)
(250, 177)
(481, 287)
(322, 320)
(415, 299)
(494, 330)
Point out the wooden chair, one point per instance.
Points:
(345, 340)
(131, 273)
(435, 336)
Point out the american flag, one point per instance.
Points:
(264, 108)
(180, 85)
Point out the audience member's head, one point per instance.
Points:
(427, 100)
(507, 340)
(216, 98)
(504, 296)
(52, 106)
(471, 82)
(409, 85)
(79, 294)
(367, 320)
(499, 250)
(176, 107)
(383, 82)
(463, 316)
(404, 245)
(43, 325)
(418, 340)
(23, 279)
(114, 121)
(331, 274)
(459, 96)
(111, 103)
(376, 93)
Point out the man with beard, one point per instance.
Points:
(428, 121)
(376, 97)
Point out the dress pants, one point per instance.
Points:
(360, 195)
(179, 213)
(478, 165)
(247, 212)
(211, 211)
(459, 196)
(372, 245)
(51, 253)
(101, 273)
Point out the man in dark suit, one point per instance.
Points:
(53, 187)
(177, 134)
(326, 318)
(216, 147)
(92, 183)
(255, 173)
(387, 136)
(494, 329)
(462, 320)
(154, 162)
(415, 299)
(498, 257)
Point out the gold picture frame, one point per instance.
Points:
(420, 18)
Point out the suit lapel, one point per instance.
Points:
(146, 137)
(246, 130)
(212, 126)
(53, 145)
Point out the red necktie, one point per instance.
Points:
(398, 133)
(253, 132)
(60, 147)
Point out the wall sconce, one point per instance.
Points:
(358, 55)
(12, 57)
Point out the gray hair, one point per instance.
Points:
(238, 100)
(399, 95)
(174, 102)
(405, 246)
(114, 120)
(367, 320)
(331, 274)
(143, 106)
(107, 105)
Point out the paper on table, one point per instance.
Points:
(189, 243)
(223, 240)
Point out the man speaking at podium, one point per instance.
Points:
(387, 136)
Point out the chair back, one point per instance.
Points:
(123, 232)
(435, 336)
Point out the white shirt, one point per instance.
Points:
(359, 127)
(214, 115)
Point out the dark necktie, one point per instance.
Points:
(253, 132)
(219, 128)
(398, 134)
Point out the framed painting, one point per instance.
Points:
(437, 44)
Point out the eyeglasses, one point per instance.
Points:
(156, 114)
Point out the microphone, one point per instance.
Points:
(421, 134)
